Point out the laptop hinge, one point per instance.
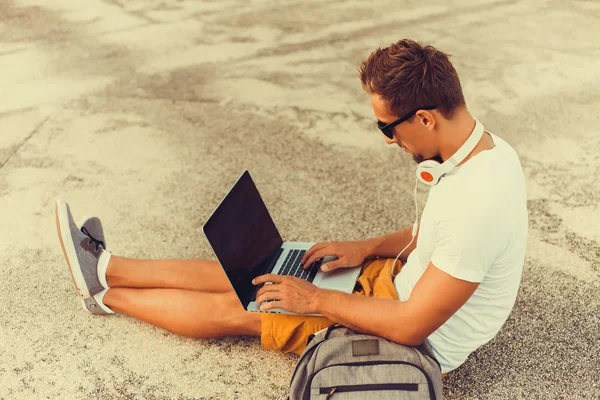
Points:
(269, 265)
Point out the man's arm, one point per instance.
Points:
(354, 253)
(434, 299)
(389, 245)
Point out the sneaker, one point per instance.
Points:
(92, 227)
(82, 252)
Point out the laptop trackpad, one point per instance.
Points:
(342, 279)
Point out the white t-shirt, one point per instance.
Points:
(474, 227)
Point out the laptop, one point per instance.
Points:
(247, 244)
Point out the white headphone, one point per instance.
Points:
(430, 172)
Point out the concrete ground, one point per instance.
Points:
(145, 112)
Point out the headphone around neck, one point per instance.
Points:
(430, 172)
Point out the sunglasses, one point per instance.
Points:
(388, 130)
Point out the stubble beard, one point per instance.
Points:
(419, 158)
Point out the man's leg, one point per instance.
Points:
(185, 312)
(189, 297)
(198, 275)
(208, 309)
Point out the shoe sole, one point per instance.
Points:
(64, 230)
(83, 305)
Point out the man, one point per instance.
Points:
(461, 275)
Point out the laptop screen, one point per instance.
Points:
(243, 235)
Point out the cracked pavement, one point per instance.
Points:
(145, 112)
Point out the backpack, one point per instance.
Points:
(339, 363)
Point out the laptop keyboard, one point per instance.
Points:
(291, 266)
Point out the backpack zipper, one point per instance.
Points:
(429, 382)
(406, 387)
(331, 392)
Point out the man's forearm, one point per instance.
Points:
(386, 318)
(389, 245)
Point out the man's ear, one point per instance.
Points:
(427, 119)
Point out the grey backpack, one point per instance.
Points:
(339, 363)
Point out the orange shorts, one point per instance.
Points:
(289, 333)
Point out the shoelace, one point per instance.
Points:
(97, 242)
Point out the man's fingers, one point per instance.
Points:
(267, 278)
(316, 255)
(266, 288)
(332, 265)
(309, 252)
(266, 295)
(270, 305)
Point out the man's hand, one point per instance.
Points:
(349, 254)
(287, 292)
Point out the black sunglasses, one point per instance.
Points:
(388, 130)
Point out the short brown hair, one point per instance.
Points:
(408, 75)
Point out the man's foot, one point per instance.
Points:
(84, 250)
(92, 227)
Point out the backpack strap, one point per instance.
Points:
(426, 350)
(332, 328)
(329, 329)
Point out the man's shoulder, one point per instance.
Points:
(486, 177)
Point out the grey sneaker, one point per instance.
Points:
(81, 252)
(92, 227)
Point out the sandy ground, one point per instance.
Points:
(145, 112)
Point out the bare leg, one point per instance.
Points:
(187, 313)
(189, 297)
(199, 275)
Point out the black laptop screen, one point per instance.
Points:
(242, 235)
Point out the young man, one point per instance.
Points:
(461, 275)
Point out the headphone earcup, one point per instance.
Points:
(427, 172)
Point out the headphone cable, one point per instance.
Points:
(414, 230)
